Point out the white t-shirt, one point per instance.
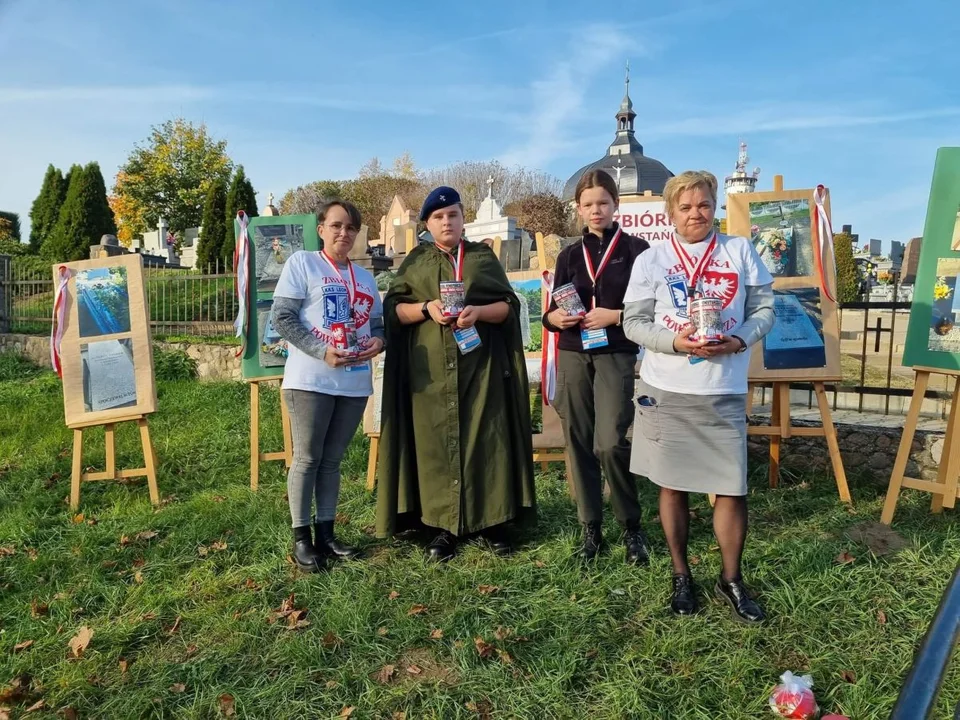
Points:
(309, 277)
(658, 274)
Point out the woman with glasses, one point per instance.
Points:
(329, 312)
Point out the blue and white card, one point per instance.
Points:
(593, 338)
(468, 339)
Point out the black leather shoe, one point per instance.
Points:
(443, 547)
(592, 541)
(498, 540)
(328, 545)
(638, 548)
(745, 608)
(304, 554)
(684, 599)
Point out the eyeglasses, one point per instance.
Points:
(337, 227)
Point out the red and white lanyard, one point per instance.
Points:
(693, 270)
(352, 287)
(456, 262)
(604, 260)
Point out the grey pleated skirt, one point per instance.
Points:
(696, 443)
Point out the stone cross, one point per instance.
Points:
(269, 198)
(490, 186)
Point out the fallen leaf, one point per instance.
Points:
(250, 584)
(31, 553)
(218, 498)
(124, 541)
(38, 705)
(393, 595)
(488, 589)
(7, 550)
(382, 631)
(881, 617)
(38, 609)
(203, 551)
(81, 641)
(148, 616)
(399, 715)
(848, 676)
(237, 615)
(91, 522)
(295, 621)
(17, 691)
(346, 712)
(4, 712)
(191, 650)
(68, 713)
(124, 664)
(138, 577)
(504, 657)
(139, 562)
(417, 610)
(341, 519)
(844, 558)
(330, 641)
(178, 688)
(436, 634)
(146, 535)
(482, 708)
(78, 519)
(176, 626)
(108, 564)
(227, 705)
(539, 563)
(573, 598)
(386, 674)
(332, 685)
(714, 548)
(25, 645)
(484, 649)
(502, 633)
(694, 560)
(415, 670)
(219, 546)
(61, 596)
(592, 653)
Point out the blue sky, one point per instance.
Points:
(857, 96)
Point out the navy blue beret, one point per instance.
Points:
(439, 198)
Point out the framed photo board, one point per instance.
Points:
(273, 239)
(933, 331)
(528, 287)
(106, 353)
(804, 344)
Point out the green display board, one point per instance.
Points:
(933, 334)
(273, 239)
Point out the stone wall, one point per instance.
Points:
(865, 448)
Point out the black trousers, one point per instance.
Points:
(594, 398)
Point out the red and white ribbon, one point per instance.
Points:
(549, 346)
(457, 262)
(59, 317)
(352, 287)
(594, 274)
(823, 241)
(693, 270)
(241, 268)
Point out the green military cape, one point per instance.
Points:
(456, 447)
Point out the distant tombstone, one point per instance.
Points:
(359, 251)
(398, 215)
(524, 319)
(109, 240)
(401, 233)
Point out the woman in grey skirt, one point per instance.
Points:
(329, 312)
(690, 433)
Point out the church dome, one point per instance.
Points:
(634, 172)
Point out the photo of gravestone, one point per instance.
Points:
(273, 245)
(796, 340)
(944, 334)
(103, 302)
(780, 233)
(273, 348)
(529, 292)
(109, 380)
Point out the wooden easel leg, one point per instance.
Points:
(287, 431)
(77, 469)
(109, 440)
(906, 443)
(774, 468)
(830, 431)
(254, 436)
(149, 460)
(372, 463)
(946, 475)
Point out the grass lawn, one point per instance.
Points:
(191, 604)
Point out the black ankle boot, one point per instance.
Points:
(592, 541)
(638, 548)
(684, 598)
(442, 548)
(498, 539)
(328, 545)
(745, 608)
(304, 554)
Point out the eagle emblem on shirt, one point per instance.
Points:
(721, 285)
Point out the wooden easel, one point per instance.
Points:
(255, 455)
(944, 488)
(781, 429)
(111, 473)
